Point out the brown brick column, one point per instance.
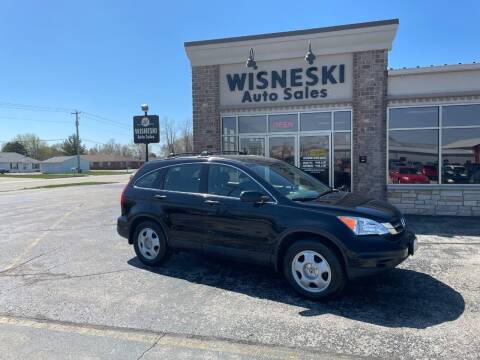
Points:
(369, 122)
(206, 102)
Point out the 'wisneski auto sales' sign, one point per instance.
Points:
(146, 129)
(329, 77)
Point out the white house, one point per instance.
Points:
(63, 164)
(14, 163)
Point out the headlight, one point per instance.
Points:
(364, 226)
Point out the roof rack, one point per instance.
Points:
(206, 153)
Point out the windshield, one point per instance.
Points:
(290, 181)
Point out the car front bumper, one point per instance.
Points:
(367, 263)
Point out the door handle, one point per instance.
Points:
(212, 202)
(160, 197)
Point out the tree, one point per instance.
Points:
(69, 146)
(186, 136)
(31, 142)
(170, 131)
(14, 146)
(177, 139)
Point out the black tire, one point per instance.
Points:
(337, 275)
(163, 249)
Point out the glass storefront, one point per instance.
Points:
(434, 144)
(317, 142)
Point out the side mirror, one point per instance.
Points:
(254, 197)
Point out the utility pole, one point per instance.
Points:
(78, 140)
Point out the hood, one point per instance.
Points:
(357, 205)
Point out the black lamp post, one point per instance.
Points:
(310, 56)
(251, 63)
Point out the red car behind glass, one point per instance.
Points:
(408, 175)
(430, 171)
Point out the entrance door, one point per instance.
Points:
(315, 156)
(283, 148)
(254, 145)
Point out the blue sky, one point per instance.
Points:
(108, 57)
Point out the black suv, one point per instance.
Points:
(265, 211)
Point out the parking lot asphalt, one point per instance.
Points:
(69, 285)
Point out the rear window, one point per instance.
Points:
(150, 181)
(184, 178)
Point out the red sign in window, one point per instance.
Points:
(282, 125)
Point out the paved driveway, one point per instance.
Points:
(70, 284)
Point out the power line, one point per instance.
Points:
(106, 119)
(51, 121)
(20, 141)
(16, 106)
(94, 141)
(34, 120)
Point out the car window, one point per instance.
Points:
(184, 178)
(228, 181)
(289, 180)
(151, 180)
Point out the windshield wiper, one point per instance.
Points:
(307, 198)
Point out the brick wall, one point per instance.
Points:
(206, 103)
(369, 122)
(440, 201)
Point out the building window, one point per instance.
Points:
(461, 155)
(252, 124)
(229, 143)
(283, 123)
(229, 133)
(317, 142)
(342, 160)
(316, 121)
(413, 117)
(342, 120)
(436, 144)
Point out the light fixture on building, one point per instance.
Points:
(310, 56)
(251, 63)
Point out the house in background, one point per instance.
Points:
(112, 162)
(63, 164)
(17, 163)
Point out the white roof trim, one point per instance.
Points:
(294, 46)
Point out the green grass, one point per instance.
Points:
(61, 176)
(71, 184)
(40, 176)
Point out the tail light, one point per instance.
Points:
(122, 197)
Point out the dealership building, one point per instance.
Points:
(325, 100)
